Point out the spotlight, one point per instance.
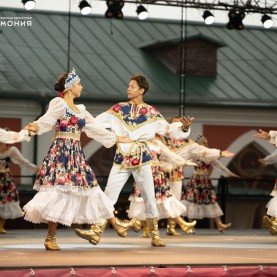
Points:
(267, 21)
(114, 9)
(235, 20)
(142, 12)
(208, 17)
(29, 4)
(85, 7)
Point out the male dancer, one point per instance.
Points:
(140, 122)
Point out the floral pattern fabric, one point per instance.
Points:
(65, 162)
(199, 188)
(8, 191)
(134, 116)
(9, 196)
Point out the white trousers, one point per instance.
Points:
(176, 188)
(144, 179)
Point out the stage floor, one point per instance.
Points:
(25, 249)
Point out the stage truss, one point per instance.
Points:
(250, 6)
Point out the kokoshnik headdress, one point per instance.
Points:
(71, 79)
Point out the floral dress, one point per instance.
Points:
(167, 204)
(199, 195)
(68, 191)
(9, 198)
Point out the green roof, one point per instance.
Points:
(105, 53)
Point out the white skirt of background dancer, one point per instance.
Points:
(272, 204)
(167, 206)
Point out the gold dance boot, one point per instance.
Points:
(135, 224)
(170, 229)
(123, 226)
(50, 243)
(2, 223)
(221, 226)
(145, 233)
(94, 234)
(152, 224)
(185, 226)
(270, 224)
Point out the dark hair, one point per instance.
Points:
(59, 85)
(141, 81)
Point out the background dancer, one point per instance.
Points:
(188, 149)
(9, 196)
(199, 195)
(270, 219)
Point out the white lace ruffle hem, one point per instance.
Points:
(169, 207)
(10, 210)
(67, 206)
(196, 211)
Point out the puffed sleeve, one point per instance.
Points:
(13, 137)
(173, 130)
(270, 159)
(168, 155)
(17, 158)
(97, 132)
(195, 151)
(105, 120)
(222, 168)
(55, 110)
(273, 137)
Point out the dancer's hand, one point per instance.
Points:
(32, 128)
(262, 162)
(262, 135)
(121, 139)
(189, 162)
(227, 153)
(233, 175)
(186, 121)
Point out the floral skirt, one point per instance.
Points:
(68, 191)
(199, 190)
(9, 198)
(199, 197)
(65, 164)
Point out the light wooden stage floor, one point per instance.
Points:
(25, 249)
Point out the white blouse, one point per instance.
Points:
(16, 157)
(57, 108)
(13, 137)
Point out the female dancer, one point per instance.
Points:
(199, 195)
(270, 220)
(9, 197)
(167, 205)
(68, 191)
